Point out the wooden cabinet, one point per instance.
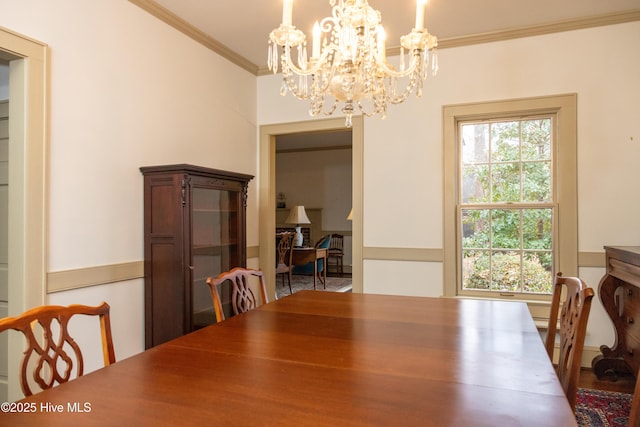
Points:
(194, 227)
(619, 292)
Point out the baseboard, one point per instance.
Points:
(588, 353)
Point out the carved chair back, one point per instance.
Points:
(284, 252)
(242, 296)
(574, 316)
(51, 353)
(337, 244)
(336, 252)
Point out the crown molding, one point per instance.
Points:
(189, 30)
(542, 29)
(530, 31)
(199, 36)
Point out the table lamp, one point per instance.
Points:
(298, 216)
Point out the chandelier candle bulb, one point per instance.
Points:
(382, 37)
(316, 41)
(287, 13)
(420, 6)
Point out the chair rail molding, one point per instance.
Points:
(58, 281)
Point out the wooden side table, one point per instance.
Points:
(303, 256)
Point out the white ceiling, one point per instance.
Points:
(244, 25)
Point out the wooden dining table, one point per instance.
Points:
(328, 359)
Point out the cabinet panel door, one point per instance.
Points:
(164, 297)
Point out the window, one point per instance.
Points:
(510, 197)
(506, 207)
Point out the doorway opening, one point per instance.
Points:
(314, 171)
(269, 136)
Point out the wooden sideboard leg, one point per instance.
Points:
(609, 368)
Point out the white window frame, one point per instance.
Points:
(563, 109)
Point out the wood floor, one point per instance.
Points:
(624, 384)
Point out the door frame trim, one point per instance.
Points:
(28, 158)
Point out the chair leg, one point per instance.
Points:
(289, 279)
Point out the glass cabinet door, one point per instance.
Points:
(215, 237)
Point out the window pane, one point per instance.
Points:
(475, 228)
(505, 271)
(475, 143)
(505, 229)
(475, 185)
(505, 142)
(475, 269)
(536, 182)
(536, 270)
(536, 139)
(519, 265)
(505, 180)
(536, 229)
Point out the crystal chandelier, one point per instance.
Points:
(348, 61)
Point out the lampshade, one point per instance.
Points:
(350, 216)
(298, 215)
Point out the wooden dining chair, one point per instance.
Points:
(336, 251)
(284, 253)
(634, 416)
(242, 296)
(573, 328)
(51, 352)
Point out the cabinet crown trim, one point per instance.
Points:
(197, 170)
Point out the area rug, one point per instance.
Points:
(599, 408)
(301, 282)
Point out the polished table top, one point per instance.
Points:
(329, 359)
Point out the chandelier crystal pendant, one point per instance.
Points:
(348, 60)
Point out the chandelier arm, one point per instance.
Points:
(404, 73)
(317, 90)
(315, 67)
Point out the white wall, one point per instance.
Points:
(127, 90)
(403, 153)
(318, 179)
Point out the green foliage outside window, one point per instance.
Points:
(507, 216)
